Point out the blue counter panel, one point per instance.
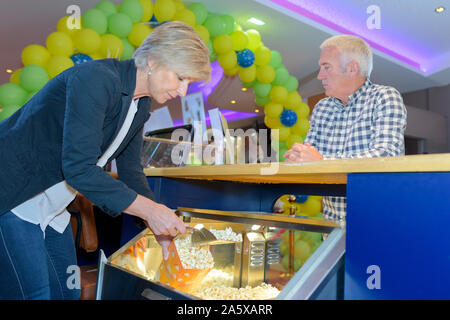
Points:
(223, 195)
(398, 237)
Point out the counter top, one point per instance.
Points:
(326, 171)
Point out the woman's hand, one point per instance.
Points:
(302, 152)
(159, 218)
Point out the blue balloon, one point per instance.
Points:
(288, 118)
(79, 58)
(300, 198)
(245, 58)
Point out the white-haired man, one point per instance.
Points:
(358, 119)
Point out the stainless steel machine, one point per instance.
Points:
(269, 256)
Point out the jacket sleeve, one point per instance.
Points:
(88, 95)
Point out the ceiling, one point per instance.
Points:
(411, 48)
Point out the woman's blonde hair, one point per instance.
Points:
(352, 48)
(176, 46)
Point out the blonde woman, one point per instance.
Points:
(58, 142)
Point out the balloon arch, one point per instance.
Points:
(114, 31)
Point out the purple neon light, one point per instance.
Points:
(307, 8)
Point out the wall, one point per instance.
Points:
(436, 101)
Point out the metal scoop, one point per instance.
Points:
(202, 237)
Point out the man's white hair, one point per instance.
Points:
(352, 48)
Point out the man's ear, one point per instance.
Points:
(353, 68)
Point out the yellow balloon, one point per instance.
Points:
(232, 71)
(111, 46)
(262, 56)
(202, 32)
(278, 94)
(312, 207)
(301, 127)
(272, 123)
(254, 39)
(179, 5)
(223, 44)
(228, 60)
(68, 26)
(164, 10)
(60, 44)
(304, 110)
(186, 16)
(96, 55)
(247, 74)
(138, 34)
(147, 7)
(15, 76)
(294, 100)
(284, 133)
(239, 39)
(35, 54)
(87, 41)
(57, 64)
(273, 109)
(293, 138)
(265, 74)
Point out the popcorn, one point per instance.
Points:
(193, 257)
(186, 265)
(217, 285)
(228, 234)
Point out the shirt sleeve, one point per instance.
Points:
(88, 96)
(389, 124)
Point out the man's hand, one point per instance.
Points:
(302, 152)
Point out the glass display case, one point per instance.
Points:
(258, 256)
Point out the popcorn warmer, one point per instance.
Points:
(253, 262)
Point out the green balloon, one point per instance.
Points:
(107, 7)
(120, 24)
(281, 76)
(12, 94)
(230, 23)
(262, 89)
(215, 25)
(199, 11)
(276, 59)
(7, 111)
(281, 152)
(262, 101)
(212, 53)
(31, 95)
(33, 77)
(128, 49)
(95, 19)
(133, 9)
(291, 84)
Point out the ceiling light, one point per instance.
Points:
(9, 71)
(244, 89)
(256, 21)
(256, 110)
(440, 9)
(233, 101)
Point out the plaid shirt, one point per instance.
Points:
(372, 124)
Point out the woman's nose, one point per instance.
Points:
(182, 89)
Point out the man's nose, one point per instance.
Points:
(321, 75)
